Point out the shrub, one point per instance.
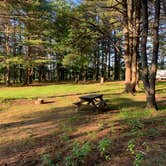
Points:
(131, 146)
(139, 158)
(103, 147)
(78, 154)
(46, 160)
(152, 132)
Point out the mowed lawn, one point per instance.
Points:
(54, 133)
(56, 90)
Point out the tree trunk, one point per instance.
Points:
(97, 62)
(109, 60)
(95, 66)
(127, 56)
(143, 47)
(135, 52)
(153, 68)
(7, 70)
(149, 80)
(116, 65)
(102, 59)
(116, 60)
(25, 77)
(131, 44)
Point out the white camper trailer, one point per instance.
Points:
(161, 74)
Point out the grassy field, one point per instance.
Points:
(56, 90)
(54, 133)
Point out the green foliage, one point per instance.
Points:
(34, 42)
(146, 146)
(139, 155)
(73, 119)
(152, 132)
(15, 60)
(131, 146)
(62, 5)
(46, 160)
(137, 133)
(78, 154)
(135, 124)
(69, 161)
(103, 147)
(139, 158)
(65, 137)
(76, 61)
(132, 112)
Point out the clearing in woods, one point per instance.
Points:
(55, 133)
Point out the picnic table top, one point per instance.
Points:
(91, 96)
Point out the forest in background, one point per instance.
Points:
(66, 41)
(54, 54)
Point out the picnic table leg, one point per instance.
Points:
(89, 102)
(93, 103)
(102, 101)
(101, 98)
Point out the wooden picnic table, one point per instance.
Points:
(94, 99)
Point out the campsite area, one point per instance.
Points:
(55, 133)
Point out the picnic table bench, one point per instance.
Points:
(92, 99)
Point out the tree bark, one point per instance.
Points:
(153, 68)
(144, 47)
(149, 79)
(127, 56)
(135, 52)
(116, 60)
(109, 60)
(131, 33)
(7, 70)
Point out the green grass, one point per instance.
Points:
(134, 113)
(56, 124)
(56, 90)
(66, 89)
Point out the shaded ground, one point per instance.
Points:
(32, 134)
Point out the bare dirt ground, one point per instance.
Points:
(29, 130)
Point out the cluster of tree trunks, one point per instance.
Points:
(132, 20)
(131, 44)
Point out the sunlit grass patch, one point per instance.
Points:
(161, 87)
(56, 125)
(131, 112)
(57, 90)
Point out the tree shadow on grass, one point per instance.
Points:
(62, 114)
(121, 103)
(158, 91)
(80, 93)
(68, 117)
(117, 102)
(51, 115)
(119, 143)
